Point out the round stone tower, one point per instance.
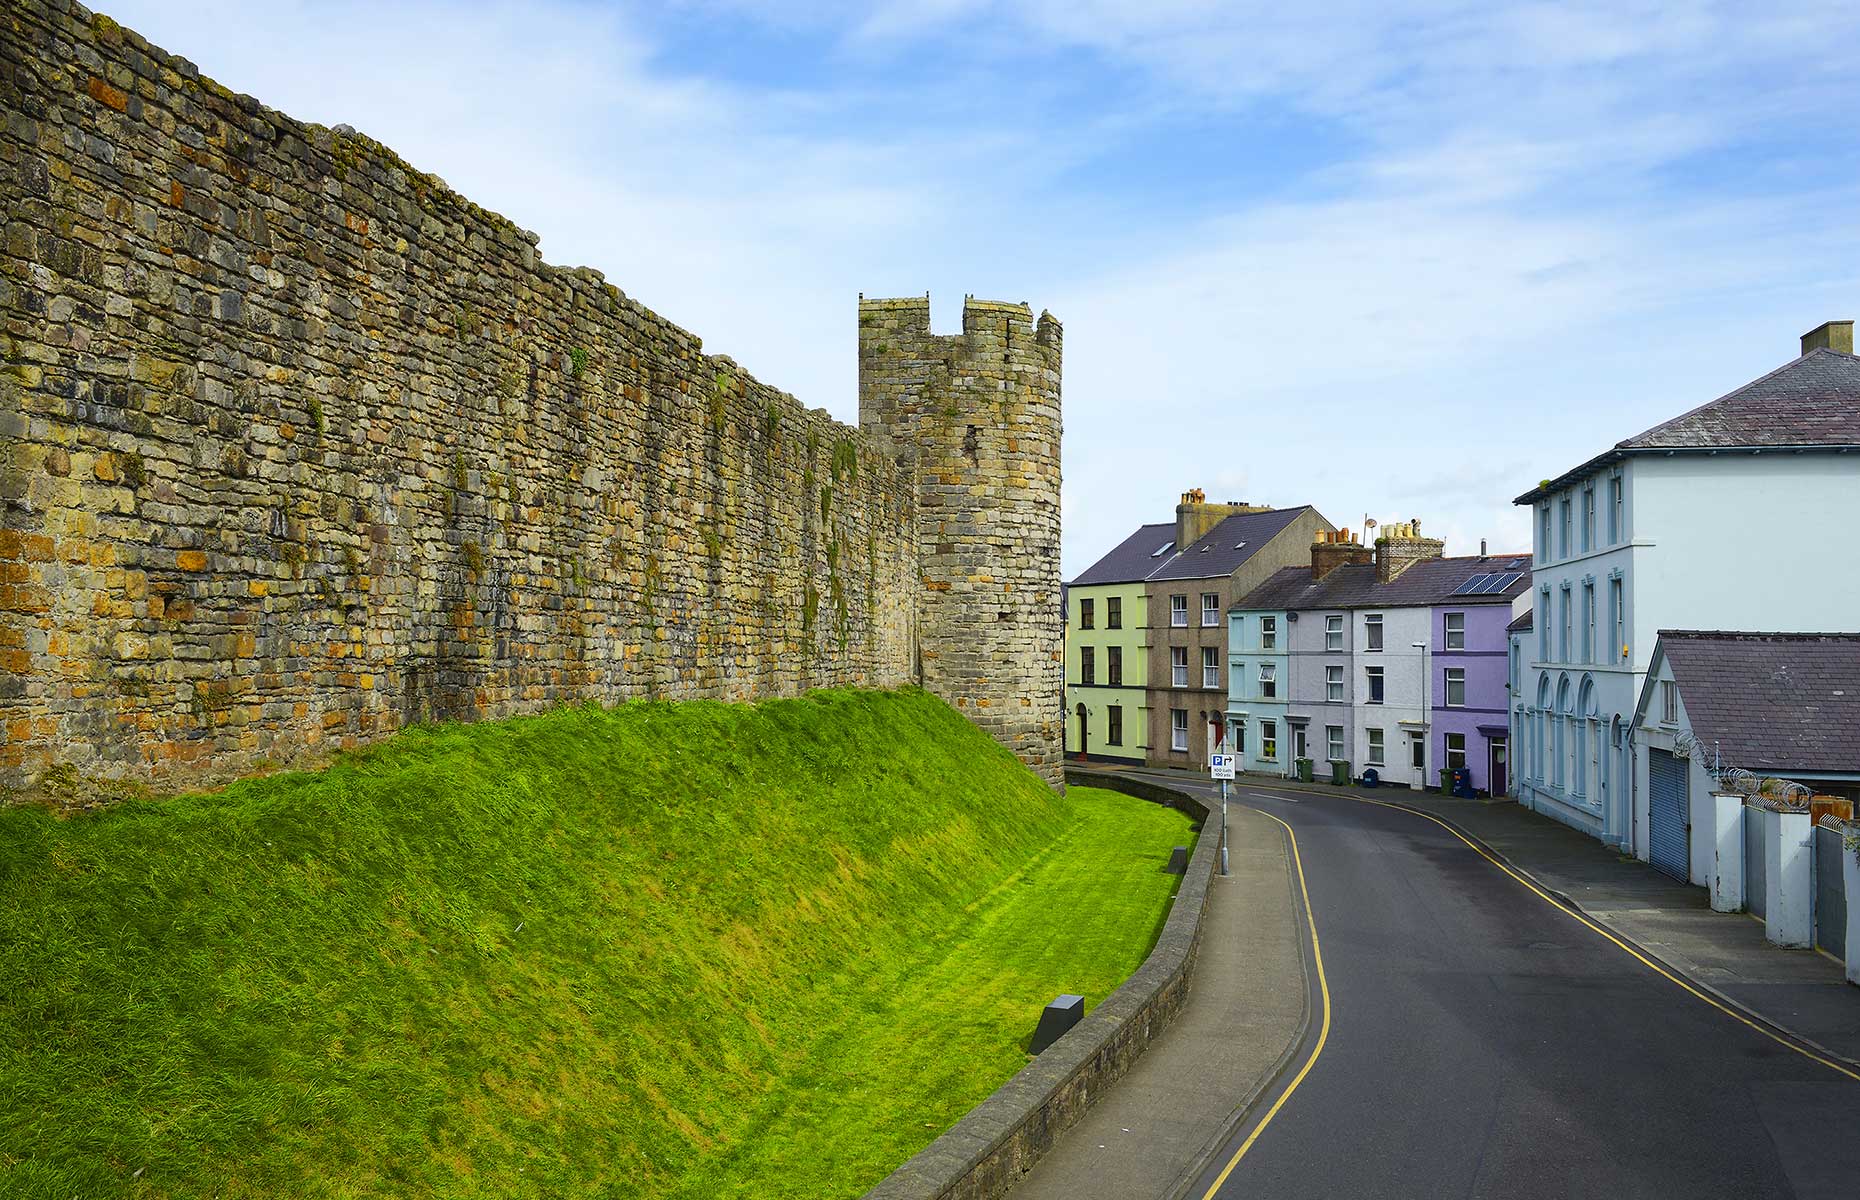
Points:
(976, 415)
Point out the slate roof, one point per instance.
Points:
(1222, 549)
(1812, 402)
(1430, 581)
(1771, 702)
(1523, 622)
(1131, 559)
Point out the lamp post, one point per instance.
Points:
(1422, 647)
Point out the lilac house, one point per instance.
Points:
(1469, 676)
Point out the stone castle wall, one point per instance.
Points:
(298, 446)
(978, 415)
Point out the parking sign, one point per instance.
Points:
(1221, 765)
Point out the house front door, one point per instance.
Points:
(1500, 767)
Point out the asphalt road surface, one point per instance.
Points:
(1483, 1041)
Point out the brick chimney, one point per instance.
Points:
(1830, 335)
(1194, 516)
(1333, 550)
(1401, 546)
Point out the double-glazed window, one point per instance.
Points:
(1210, 667)
(1588, 622)
(1542, 618)
(1210, 609)
(1268, 633)
(1669, 702)
(1113, 612)
(1178, 729)
(1178, 611)
(1333, 684)
(1333, 742)
(1455, 630)
(1373, 677)
(1562, 649)
(1456, 750)
(1085, 614)
(1588, 518)
(1333, 632)
(1178, 666)
(1114, 666)
(1543, 533)
(1268, 680)
(1563, 518)
(1617, 524)
(1087, 665)
(1114, 724)
(1269, 739)
(1617, 610)
(1372, 631)
(1376, 749)
(1456, 687)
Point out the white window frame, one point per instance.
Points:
(1333, 743)
(1178, 729)
(1375, 752)
(1588, 615)
(1371, 677)
(1372, 633)
(1455, 676)
(1178, 666)
(1588, 517)
(1333, 632)
(1269, 633)
(1453, 629)
(1210, 667)
(1178, 611)
(1563, 513)
(1617, 600)
(1564, 626)
(1268, 681)
(1617, 510)
(1542, 617)
(1269, 741)
(1545, 550)
(1210, 612)
(1333, 684)
(1669, 702)
(1453, 750)
(1417, 749)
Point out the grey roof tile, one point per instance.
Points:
(1771, 702)
(1430, 581)
(1222, 549)
(1131, 559)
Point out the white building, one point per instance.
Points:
(1716, 519)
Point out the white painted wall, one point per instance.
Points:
(1403, 709)
(1729, 541)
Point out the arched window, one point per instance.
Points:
(1559, 765)
(1587, 735)
(1539, 742)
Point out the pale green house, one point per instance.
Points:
(1107, 649)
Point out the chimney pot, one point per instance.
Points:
(1830, 335)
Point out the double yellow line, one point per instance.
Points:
(1317, 957)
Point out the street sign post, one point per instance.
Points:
(1221, 766)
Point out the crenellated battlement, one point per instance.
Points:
(976, 417)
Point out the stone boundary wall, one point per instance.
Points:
(298, 446)
(989, 1150)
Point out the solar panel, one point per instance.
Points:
(1471, 586)
(1499, 583)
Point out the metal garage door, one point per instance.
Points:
(1830, 892)
(1756, 863)
(1667, 809)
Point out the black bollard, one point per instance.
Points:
(1062, 1014)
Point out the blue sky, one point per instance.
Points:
(1402, 260)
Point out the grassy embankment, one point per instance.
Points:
(662, 950)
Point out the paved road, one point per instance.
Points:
(1484, 1042)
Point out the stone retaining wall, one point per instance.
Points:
(990, 1149)
(297, 446)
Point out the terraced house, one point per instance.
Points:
(1392, 660)
(1107, 643)
(1222, 551)
(1716, 519)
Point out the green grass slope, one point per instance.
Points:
(660, 950)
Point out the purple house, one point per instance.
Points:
(1469, 674)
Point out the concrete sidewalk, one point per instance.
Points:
(1245, 1013)
(1802, 992)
